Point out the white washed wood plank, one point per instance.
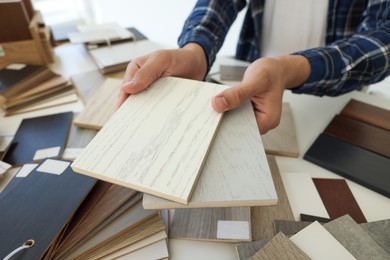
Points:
(157, 141)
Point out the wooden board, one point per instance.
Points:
(355, 239)
(246, 250)
(79, 137)
(358, 133)
(212, 224)
(38, 208)
(157, 250)
(101, 107)
(263, 217)
(87, 84)
(280, 247)
(318, 243)
(364, 167)
(338, 199)
(370, 114)
(289, 227)
(38, 133)
(156, 142)
(282, 140)
(14, 22)
(379, 231)
(236, 172)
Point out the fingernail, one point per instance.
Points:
(222, 103)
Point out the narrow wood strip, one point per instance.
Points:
(358, 133)
(359, 165)
(263, 217)
(367, 113)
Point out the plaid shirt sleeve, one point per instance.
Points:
(209, 23)
(351, 63)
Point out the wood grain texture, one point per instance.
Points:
(361, 134)
(370, 114)
(338, 199)
(355, 239)
(289, 227)
(79, 137)
(87, 84)
(380, 232)
(236, 171)
(156, 142)
(38, 133)
(202, 224)
(364, 167)
(280, 247)
(263, 217)
(246, 250)
(101, 107)
(29, 213)
(282, 140)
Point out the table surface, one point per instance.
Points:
(311, 115)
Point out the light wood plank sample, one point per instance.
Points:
(352, 236)
(246, 250)
(79, 137)
(282, 140)
(157, 141)
(319, 244)
(205, 224)
(157, 250)
(101, 107)
(280, 247)
(380, 232)
(87, 83)
(263, 217)
(236, 171)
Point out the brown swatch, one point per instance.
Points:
(361, 134)
(289, 227)
(263, 217)
(338, 199)
(367, 113)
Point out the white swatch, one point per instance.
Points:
(16, 66)
(53, 166)
(26, 170)
(71, 153)
(233, 229)
(47, 153)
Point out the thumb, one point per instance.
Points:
(232, 98)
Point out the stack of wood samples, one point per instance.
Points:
(356, 145)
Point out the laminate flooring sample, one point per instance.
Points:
(157, 250)
(246, 250)
(80, 137)
(338, 199)
(370, 114)
(352, 236)
(280, 247)
(156, 142)
(361, 134)
(289, 227)
(236, 171)
(101, 107)
(38, 207)
(263, 217)
(380, 232)
(319, 244)
(87, 84)
(38, 133)
(282, 140)
(359, 165)
(213, 224)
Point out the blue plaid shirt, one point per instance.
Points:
(357, 50)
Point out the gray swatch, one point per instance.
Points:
(246, 250)
(380, 232)
(289, 227)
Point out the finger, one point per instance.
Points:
(233, 97)
(268, 112)
(122, 98)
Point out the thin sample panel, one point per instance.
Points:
(358, 133)
(156, 142)
(338, 199)
(80, 137)
(246, 250)
(370, 114)
(214, 224)
(380, 232)
(352, 236)
(366, 168)
(38, 207)
(289, 227)
(282, 140)
(101, 107)
(38, 133)
(87, 84)
(311, 218)
(280, 247)
(157, 250)
(236, 171)
(263, 217)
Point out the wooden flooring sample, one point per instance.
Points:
(361, 134)
(156, 142)
(79, 137)
(38, 207)
(246, 250)
(289, 227)
(280, 247)
(157, 250)
(263, 217)
(380, 232)
(236, 171)
(352, 236)
(212, 224)
(370, 114)
(338, 199)
(318, 243)
(282, 140)
(38, 133)
(359, 165)
(87, 84)
(101, 107)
